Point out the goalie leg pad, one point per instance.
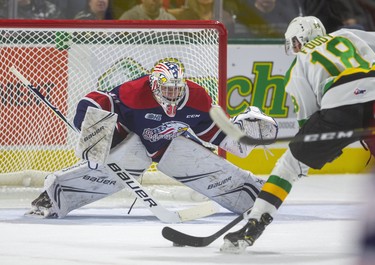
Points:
(79, 185)
(74, 187)
(202, 170)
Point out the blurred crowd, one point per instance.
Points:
(242, 18)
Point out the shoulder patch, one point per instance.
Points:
(137, 94)
(198, 97)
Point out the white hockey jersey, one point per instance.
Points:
(328, 72)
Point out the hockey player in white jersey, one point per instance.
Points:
(148, 120)
(332, 85)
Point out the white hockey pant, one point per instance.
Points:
(79, 185)
(200, 169)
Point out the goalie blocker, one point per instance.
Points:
(96, 135)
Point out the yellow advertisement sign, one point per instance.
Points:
(256, 77)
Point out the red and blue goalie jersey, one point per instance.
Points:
(140, 113)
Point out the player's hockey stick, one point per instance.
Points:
(181, 239)
(220, 118)
(163, 214)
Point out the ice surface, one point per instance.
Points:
(320, 223)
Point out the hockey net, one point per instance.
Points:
(67, 59)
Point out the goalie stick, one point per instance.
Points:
(163, 214)
(220, 118)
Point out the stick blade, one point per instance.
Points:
(182, 239)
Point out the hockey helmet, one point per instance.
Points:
(300, 31)
(168, 86)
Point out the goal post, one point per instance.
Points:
(66, 59)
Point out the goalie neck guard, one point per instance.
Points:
(168, 86)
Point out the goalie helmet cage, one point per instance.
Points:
(66, 59)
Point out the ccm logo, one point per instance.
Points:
(328, 136)
(138, 190)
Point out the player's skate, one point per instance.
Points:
(238, 241)
(42, 207)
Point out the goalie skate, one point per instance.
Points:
(41, 207)
(238, 241)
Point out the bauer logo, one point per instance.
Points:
(152, 116)
(104, 180)
(220, 183)
(97, 131)
(127, 178)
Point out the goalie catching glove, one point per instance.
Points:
(254, 123)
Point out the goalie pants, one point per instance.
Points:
(316, 154)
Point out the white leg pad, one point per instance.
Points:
(197, 167)
(79, 185)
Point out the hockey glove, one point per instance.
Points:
(256, 124)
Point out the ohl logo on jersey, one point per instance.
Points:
(166, 131)
(358, 91)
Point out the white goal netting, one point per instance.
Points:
(65, 60)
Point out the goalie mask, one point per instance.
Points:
(168, 86)
(300, 31)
